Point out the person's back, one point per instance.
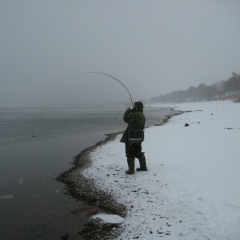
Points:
(136, 121)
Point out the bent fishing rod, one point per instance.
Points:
(110, 77)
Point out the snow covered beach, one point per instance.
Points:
(192, 188)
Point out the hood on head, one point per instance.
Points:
(138, 106)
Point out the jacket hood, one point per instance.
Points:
(138, 106)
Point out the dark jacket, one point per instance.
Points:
(135, 120)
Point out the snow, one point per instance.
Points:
(107, 218)
(192, 187)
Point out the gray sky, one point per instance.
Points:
(153, 47)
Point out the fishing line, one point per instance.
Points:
(110, 77)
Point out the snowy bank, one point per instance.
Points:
(192, 188)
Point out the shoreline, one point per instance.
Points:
(83, 189)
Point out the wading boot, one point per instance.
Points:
(142, 162)
(131, 166)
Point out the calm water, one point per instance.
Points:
(36, 145)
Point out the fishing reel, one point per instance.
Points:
(132, 110)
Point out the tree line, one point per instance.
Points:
(216, 91)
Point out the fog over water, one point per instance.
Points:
(154, 47)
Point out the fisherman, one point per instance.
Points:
(136, 121)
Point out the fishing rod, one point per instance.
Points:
(110, 77)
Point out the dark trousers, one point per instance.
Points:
(133, 150)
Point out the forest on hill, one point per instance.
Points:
(228, 89)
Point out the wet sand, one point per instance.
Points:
(84, 190)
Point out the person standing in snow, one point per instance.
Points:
(136, 120)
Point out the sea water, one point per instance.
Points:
(36, 145)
